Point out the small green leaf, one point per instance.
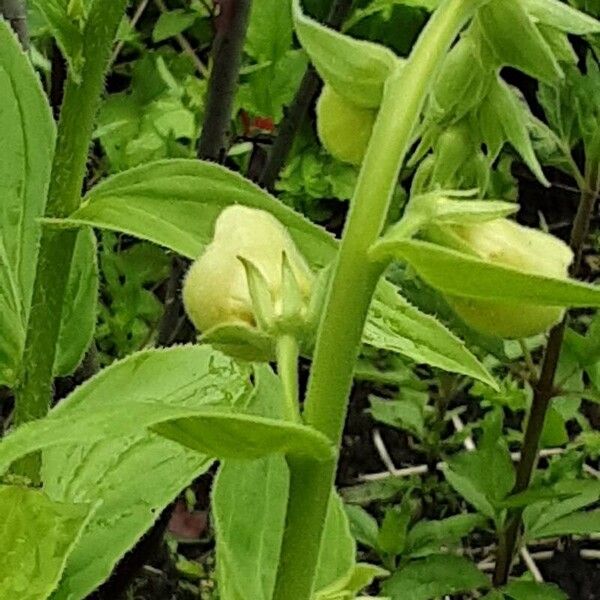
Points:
(459, 274)
(78, 320)
(579, 523)
(350, 584)
(37, 536)
(530, 590)
(363, 526)
(515, 41)
(432, 537)
(503, 111)
(562, 16)
(391, 539)
(406, 414)
(434, 577)
(355, 69)
(270, 30)
(172, 23)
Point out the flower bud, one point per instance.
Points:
(343, 127)
(216, 291)
(507, 243)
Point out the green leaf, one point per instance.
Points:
(363, 526)
(28, 136)
(530, 590)
(484, 476)
(355, 69)
(241, 436)
(541, 515)
(503, 111)
(432, 537)
(37, 536)
(270, 30)
(395, 325)
(579, 523)
(66, 31)
(515, 40)
(249, 503)
(172, 23)
(406, 414)
(459, 274)
(350, 584)
(78, 321)
(175, 203)
(391, 539)
(433, 577)
(137, 475)
(562, 16)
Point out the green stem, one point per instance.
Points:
(353, 284)
(287, 367)
(75, 128)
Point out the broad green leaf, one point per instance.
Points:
(459, 274)
(579, 523)
(562, 16)
(530, 590)
(355, 69)
(515, 40)
(466, 486)
(270, 30)
(395, 325)
(391, 539)
(78, 320)
(171, 23)
(432, 537)
(434, 577)
(249, 505)
(28, 135)
(242, 436)
(66, 31)
(137, 475)
(175, 203)
(37, 535)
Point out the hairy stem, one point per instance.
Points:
(15, 12)
(75, 130)
(287, 369)
(352, 287)
(227, 57)
(543, 393)
(295, 115)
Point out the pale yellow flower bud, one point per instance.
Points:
(344, 128)
(507, 243)
(216, 289)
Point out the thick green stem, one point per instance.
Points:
(75, 130)
(352, 287)
(287, 368)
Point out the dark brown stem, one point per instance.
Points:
(543, 393)
(298, 109)
(232, 25)
(15, 12)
